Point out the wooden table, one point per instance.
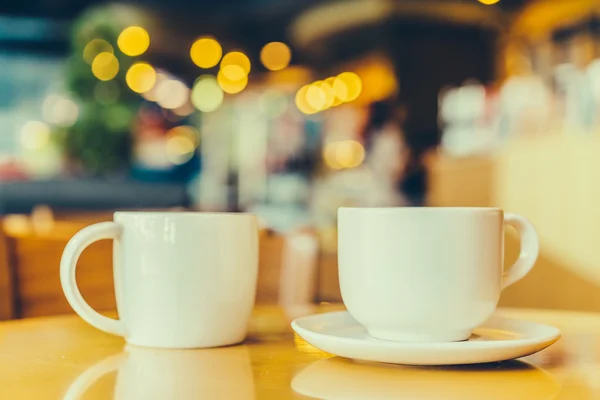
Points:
(63, 358)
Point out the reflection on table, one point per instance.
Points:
(339, 378)
(64, 358)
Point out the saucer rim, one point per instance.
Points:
(552, 337)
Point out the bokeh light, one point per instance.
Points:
(340, 89)
(349, 153)
(302, 103)
(35, 135)
(344, 154)
(321, 95)
(60, 111)
(347, 83)
(206, 52)
(172, 94)
(329, 155)
(236, 58)
(107, 92)
(231, 86)
(489, 2)
(329, 93)
(233, 72)
(181, 144)
(275, 56)
(207, 95)
(315, 96)
(105, 66)
(133, 41)
(95, 47)
(150, 95)
(187, 131)
(141, 77)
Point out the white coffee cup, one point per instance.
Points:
(182, 280)
(427, 274)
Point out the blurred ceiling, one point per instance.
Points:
(446, 41)
(67, 9)
(320, 36)
(43, 25)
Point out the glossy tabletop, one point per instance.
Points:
(63, 358)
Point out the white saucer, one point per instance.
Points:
(498, 339)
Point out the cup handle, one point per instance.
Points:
(530, 247)
(68, 265)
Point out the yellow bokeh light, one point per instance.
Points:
(186, 131)
(344, 154)
(233, 72)
(35, 135)
(95, 47)
(181, 144)
(329, 155)
(347, 83)
(171, 94)
(489, 2)
(133, 41)
(231, 86)
(17, 225)
(179, 150)
(207, 95)
(236, 58)
(349, 153)
(315, 96)
(206, 52)
(275, 56)
(141, 77)
(105, 66)
(339, 89)
(302, 103)
(329, 93)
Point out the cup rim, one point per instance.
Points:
(180, 214)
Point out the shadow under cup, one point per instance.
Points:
(426, 274)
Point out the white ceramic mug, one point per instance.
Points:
(182, 280)
(427, 274)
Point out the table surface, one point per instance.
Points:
(63, 358)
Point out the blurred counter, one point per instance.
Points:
(20, 197)
(555, 182)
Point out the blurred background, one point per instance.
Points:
(290, 109)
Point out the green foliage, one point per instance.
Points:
(100, 142)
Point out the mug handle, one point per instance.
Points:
(530, 247)
(68, 265)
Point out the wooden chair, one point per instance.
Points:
(34, 245)
(7, 295)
